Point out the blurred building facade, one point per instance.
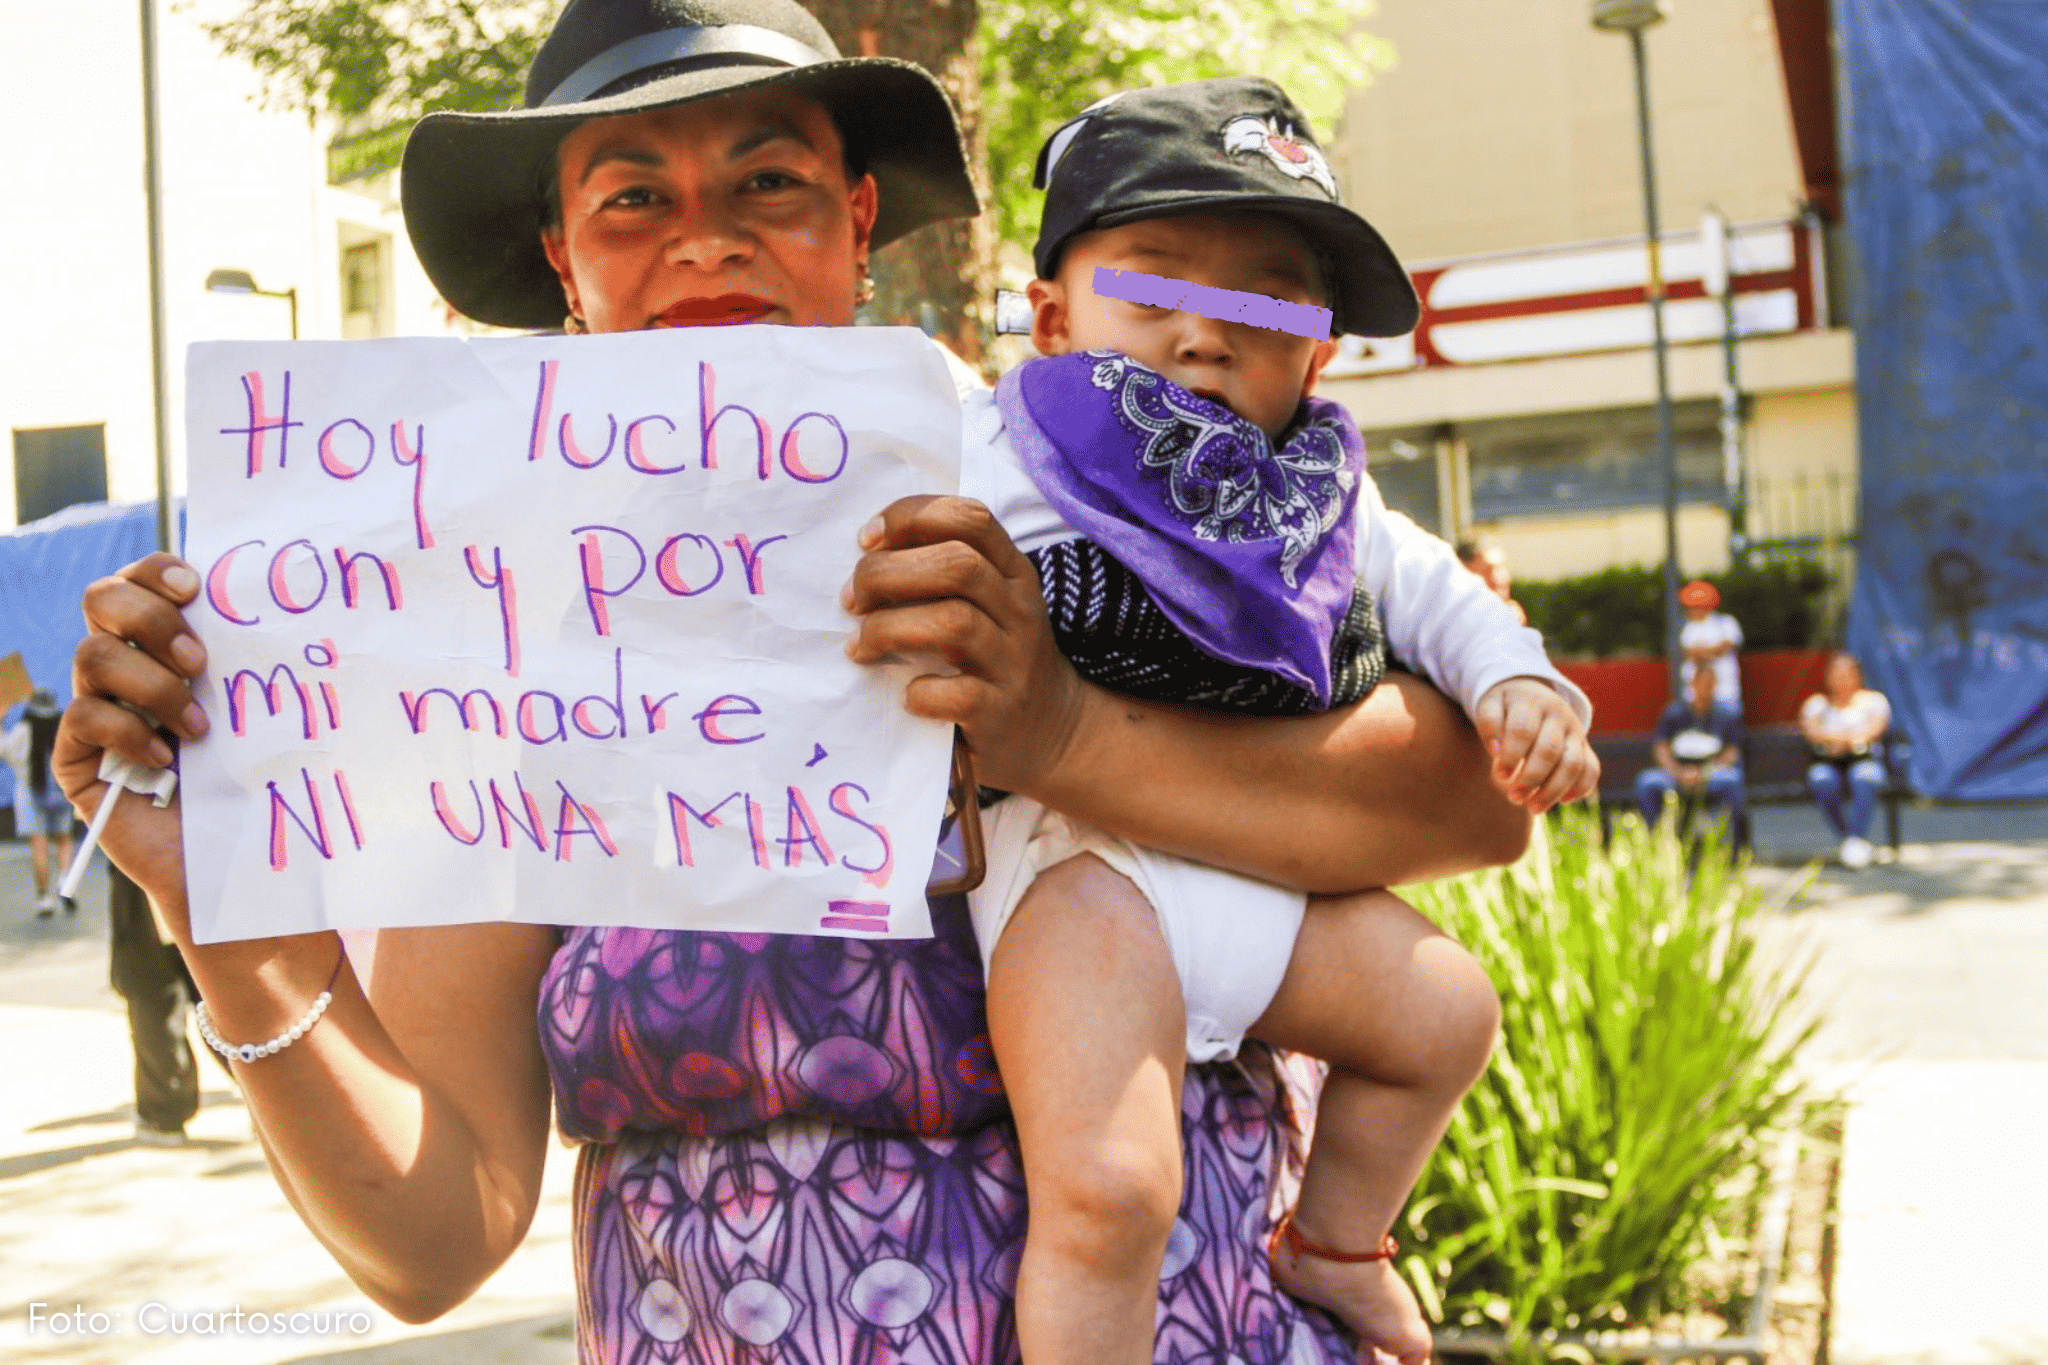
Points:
(1499, 158)
(244, 189)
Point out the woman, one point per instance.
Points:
(40, 810)
(1843, 724)
(794, 1144)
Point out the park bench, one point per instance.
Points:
(1774, 763)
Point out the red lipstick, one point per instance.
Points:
(723, 310)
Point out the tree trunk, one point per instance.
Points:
(941, 277)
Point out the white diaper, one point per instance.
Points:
(1231, 936)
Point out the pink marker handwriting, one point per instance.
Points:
(347, 447)
(262, 422)
(311, 822)
(498, 580)
(297, 580)
(813, 448)
(805, 838)
(613, 561)
(865, 917)
(515, 811)
(541, 717)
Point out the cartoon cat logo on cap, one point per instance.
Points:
(1254, 133)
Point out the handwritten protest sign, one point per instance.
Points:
(548, 630)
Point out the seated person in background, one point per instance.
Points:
(1843, 724)
(1698, 752)
(1710, 638)
(1487, 559)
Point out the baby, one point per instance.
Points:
(1205, 533)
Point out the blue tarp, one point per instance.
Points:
(1946, 116)
(44, 569)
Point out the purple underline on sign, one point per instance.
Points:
(869, 916)
(1224, 305)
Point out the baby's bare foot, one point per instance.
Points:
(1370, 1297)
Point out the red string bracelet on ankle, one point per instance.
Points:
(1299, 1246)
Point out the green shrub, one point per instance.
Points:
(1597, 615)
(1779, 603)
(1621, 610)
(1647, 1047)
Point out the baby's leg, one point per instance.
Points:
(1085, 1015)
(1406, 1019)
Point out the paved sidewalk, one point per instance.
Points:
(1934, 974)
(1943, 1201)
(90, 1221)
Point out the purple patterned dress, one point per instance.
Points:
(798, 1151)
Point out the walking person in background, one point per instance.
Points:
(40, 809)
(1709, 639)
(1843, 724)
(150, 975)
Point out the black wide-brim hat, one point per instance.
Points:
(1233, 145)
(472, 184)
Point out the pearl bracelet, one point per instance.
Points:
(249, 1052)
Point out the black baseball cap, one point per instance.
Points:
(1236, 145)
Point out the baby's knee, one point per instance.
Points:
(1118, 1203)
(1470, 1016)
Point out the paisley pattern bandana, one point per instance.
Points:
(1247, 548)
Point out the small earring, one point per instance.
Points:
(573, 326)
(864, 292)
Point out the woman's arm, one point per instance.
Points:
(1810, 713)
(410, 1138)
(1394, 789)
(1877, 718)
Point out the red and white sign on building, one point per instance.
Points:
(1594, 296)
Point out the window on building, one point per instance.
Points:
(1405, 468)
(57, 467)
(362, 289)
(1560, 463)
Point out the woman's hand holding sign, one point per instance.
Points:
(442, 1089)
(131, 680)
(942, 578)
(1307, 802)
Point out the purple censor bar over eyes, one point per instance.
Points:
(1225, 305)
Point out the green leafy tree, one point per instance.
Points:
(1015, 70)
(388, 59)
(374, 66)
(1042, 64)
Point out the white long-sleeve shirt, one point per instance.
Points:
(1441, 619)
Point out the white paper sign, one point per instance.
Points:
(548, 630)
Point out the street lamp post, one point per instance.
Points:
(1715, 241)
(230, 281)
(153, 196)
(1633, 17)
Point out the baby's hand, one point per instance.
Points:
(1539, 748)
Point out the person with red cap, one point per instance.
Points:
(1709, 639)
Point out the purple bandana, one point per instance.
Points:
(1247, 549)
